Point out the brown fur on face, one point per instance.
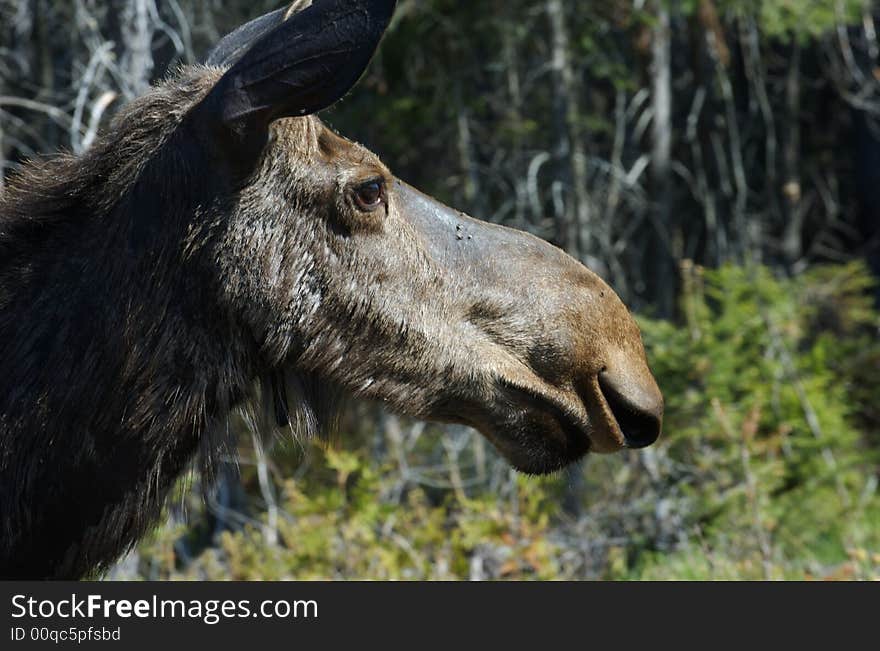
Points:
(444, 317)
(152, 285)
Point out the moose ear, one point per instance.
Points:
(299, 67)
(233, 46)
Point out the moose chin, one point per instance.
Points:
(219, 245)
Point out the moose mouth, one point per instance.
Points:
(552, 430)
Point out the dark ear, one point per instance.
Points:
(300, 67)
(233, 46)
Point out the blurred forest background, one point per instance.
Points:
(717, 161)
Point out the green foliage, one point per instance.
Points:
(799, 18)
(762, 416)
(338, 527)
(767, 468)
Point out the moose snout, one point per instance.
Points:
(566, 349)
(637, 406)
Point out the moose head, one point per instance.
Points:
(403, 299)
(219, 236)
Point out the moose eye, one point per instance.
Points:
(370, 195)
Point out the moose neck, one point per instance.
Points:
(114, 396)
(120, 366)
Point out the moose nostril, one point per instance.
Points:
(639, 416)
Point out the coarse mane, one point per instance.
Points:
(104, 291)
(63, 193)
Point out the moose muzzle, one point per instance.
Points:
(565, 357)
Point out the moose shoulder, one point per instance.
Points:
(219, 238)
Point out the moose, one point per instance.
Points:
(219, 246)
